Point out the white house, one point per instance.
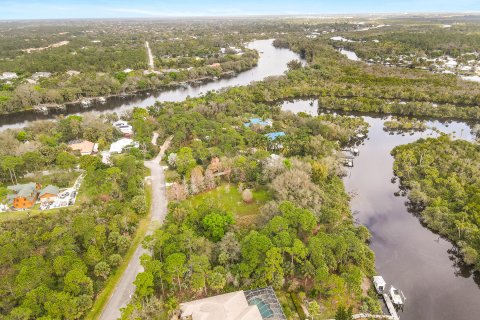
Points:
(124, 127)
(124, 143)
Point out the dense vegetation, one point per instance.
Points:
(404, 124)
(302, 240)
(442, 177)
(91, 60)
(52, 266)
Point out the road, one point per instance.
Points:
(150, 57)
(125, 288)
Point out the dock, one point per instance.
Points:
(390, 307)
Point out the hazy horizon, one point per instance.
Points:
(109, 9)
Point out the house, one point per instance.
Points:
(85, 147)
(272, 137)
(215, 65)
(24, 196)
(48, 194)
(259, 122)
(124, 143)
(258, 304)
(229, 306)
(275, 135)
(8, 76)
(124, 128)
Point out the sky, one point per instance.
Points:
(58, 9)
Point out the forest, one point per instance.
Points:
(442, 179)
(250, 204)
(92, 60)
(53, 266)
(294, 230)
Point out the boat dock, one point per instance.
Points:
(390, 307)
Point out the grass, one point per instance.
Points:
(229, 198)
(18, 215)
(104, 295)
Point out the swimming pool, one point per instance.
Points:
(263, 307)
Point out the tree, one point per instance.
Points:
(11, 164)
(185, 161)
(216, 279)
(77, 283)
(294, 65)
(314, 309)
(216, 224)
(295, 186)
(209, 181)
(273, 267)
(343, 313)
(102, 270)
(66, 160)
(197, 181)
(175, 266)
(144, 284)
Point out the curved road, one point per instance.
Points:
(125, 288)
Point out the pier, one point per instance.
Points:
(390, 307)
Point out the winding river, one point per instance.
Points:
(407, 255)
(273, 61)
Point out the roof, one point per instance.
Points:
(124, 127)
(118, 146)
(50, 189)
(27, 191)
(85, 146)
(229, 306)
(275, 135)
(258, 121)
(378, 281)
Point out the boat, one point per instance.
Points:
(397, 296)
(348, 163)
(379, 284)
(102, 100)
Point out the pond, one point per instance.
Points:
(408, 255)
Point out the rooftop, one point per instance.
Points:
(258, 304)
(50, 189)
(259, 122)
(275, 135)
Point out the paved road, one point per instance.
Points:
(125, 288)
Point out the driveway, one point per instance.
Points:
(125, 288)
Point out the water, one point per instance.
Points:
(408, 255)
(272, 61)
(350, 55)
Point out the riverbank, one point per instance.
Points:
(408, 255)
(271, 62)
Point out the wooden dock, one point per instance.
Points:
(390, 307)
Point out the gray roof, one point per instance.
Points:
(27, 190)
(49, 190)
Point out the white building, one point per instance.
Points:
(124, 127)
(122, 144)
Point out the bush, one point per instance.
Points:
(247, 196)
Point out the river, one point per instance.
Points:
(272, 61)
(407, 255)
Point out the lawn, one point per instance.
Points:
(229, 198)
